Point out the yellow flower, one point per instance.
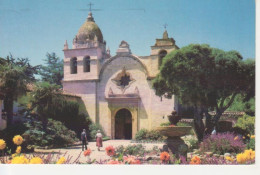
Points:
(236, 138)
(241, 158)
(244, 137)
(62, 160)
(14, 155)
(19, 160)
(2, 144)
(229, 158)
(248, 135)
(18, 140)
(36, 160)
(249, 154)
(252, 136)
(18, 149)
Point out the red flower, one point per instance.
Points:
(165, 157)
(110, 151)
(87, 152)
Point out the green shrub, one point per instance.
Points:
(141, 134)
(145, 135)
(247, 123)
(192, 142)
(136, 150)
(183, 124)
(56, 135)
(94, 127)
(165, 124)
(153, 135)
(251, 144)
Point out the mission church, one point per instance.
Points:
(116, 90)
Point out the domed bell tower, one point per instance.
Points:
(84, 59)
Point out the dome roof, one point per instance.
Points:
(89, 31)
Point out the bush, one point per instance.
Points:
(152, 135)
(192, 142)
(222, 143)
(165, 124)
(141, 134)
(68, 113)
(247, 123)
(136, 150)
(93, 128)
(56, 135)
(251, 144)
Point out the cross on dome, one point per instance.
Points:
(90, 4)
(165, 26)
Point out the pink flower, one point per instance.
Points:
(131, 160)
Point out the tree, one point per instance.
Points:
(15, 76)
(207, 79)
(45, 96)
(53, 71)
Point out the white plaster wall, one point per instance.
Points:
(95, 55)
(151, 109)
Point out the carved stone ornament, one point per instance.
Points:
(123, 80)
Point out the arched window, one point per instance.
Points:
(86, 64)
(162, 54)
(73, 65)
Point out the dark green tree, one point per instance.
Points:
(15, 77)
(52, 72)
(206, 79)
(45, 96)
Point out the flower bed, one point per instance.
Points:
(132, 154)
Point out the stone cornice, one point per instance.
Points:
(89, 80)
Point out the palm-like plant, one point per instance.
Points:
(15, 76)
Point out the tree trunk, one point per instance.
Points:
(216, 118)
(209, 124)
(8, 108)
(198, 123)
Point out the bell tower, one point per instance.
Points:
(163, 46)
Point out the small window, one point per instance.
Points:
(162, 54)
(73, 65)
(86, 64)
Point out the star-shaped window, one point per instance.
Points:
(123, 80)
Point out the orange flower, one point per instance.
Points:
(110, 151)
(195, 160)
(131, 160)
(165, 156)
(87, 152)
(112, 162)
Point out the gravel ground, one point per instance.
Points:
(75, 151)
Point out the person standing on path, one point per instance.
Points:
(84, 139)
(99, 140)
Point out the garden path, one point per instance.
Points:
(75, 151)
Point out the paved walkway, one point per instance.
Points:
(75, 151)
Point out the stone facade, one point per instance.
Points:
(109, 84)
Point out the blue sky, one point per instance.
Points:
(31, 28)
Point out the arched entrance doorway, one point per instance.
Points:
(123, 124)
